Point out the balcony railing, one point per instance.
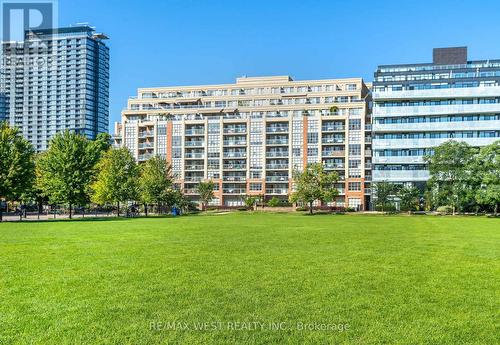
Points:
(144, 157)
(146, 145)
(277, 129)
(195, 155)
(277, 191)
(194, 167)
(235, 154)
(234, 178)
(233, 191)
(278, 179)
(194, 143)
(235, 167)
(195, 131)
(332, 128)
(193, 179)
(333, 153)
(277, 154)
(146, 134)
(234, 143)
(230, 130)
(277, 142)
(276, 166)
(333, 140)
(334, 166)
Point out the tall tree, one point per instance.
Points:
(384, 193)
(116, 180)
(206, 191)
(65, 171)
(314, 184)
(487, 170)
(155, 182)
(409, 197)
(451, 173)
(17, 167)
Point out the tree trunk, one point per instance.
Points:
(496, 210)
(1, 213)
(310, 207)
(70, 211)
(118, 209)
(146, 209)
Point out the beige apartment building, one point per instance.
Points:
(249, 137)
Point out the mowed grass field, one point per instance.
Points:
(253, 279)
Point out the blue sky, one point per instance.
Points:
(183, 42)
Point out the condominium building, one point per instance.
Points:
(419, 106)
(56, 79)
(249, 137)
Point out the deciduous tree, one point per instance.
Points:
(17, 167)
(117, 177)
(65, 171)
(206, 191)
(314, 184)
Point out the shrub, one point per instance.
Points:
(444, 209)
(274, 202)
(350, 209)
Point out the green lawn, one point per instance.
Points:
(386, 280)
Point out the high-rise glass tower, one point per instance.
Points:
(56, 79)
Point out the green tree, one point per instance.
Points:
(17, 167)
(155, 182)
(384, 193)
(206, 191)
(66, 170)
(409, 197)
(451, 173)
(487, 170)
(314, 183)
(116, 180)
(250, 201)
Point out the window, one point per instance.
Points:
(354, 186)
(255, 186)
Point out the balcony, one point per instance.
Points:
(277, 142)
(333, 153)
(470, 92)
(234, 178)
(277, 166)
(400, 175)
(235, 143)
(426, 143)
(235, 154)
(277, 179)
(277, 191)
(194, 143)
(146, 145)
(195, 155)
(427, 110)
(194, 167)
(195, 131)
(193, 179)
(333, 128)
(234, 191)
(232, 130)
(234, 166)
(146, 134)
(332, 141)
(144, 157)
(334, 165)
(274, 154)
(398, 159)
(438, 126)
(277, 129)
